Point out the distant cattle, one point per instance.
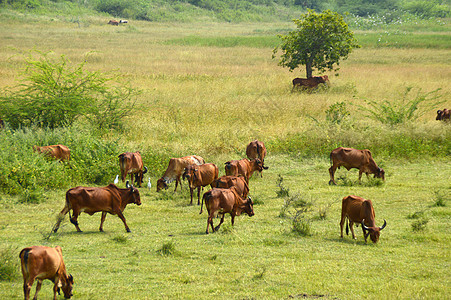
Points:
(309, 83)
(40, 263)
(59, 152)
(353, 158)
(131, 163)
(113, 22)
(199, 176)
(443, 115)
(225, 201)
(244, 167)
(123, 21)
(256, 149)
(109, 199)
(238, 182)
(360, 211)
(175, 170)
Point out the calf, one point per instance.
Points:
(225, 201)
(132, 163)
(360, 211)
(199, 176)
(309, 83)
(226, 182)
(353, 158)
(113, 22)
(175, 170)
(59, 152)
(244, 167)
(443, 115)
(40, 263)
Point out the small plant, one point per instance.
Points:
(283, 191)
(260, 274)
(301, 225)
(167, 249)
(322, 211)
(337, 113)
(419, 225)
(440, 199)
(120, 239)
(416, 215)
(8, 267)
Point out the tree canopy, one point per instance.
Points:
(319, 42)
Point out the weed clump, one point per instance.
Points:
(440, 199)
(419, 225)
(168, 249)
(283, 191)
(8, 267)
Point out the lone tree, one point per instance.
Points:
(319, 42)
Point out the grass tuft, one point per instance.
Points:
(168, 249)
(419, 225)
(8, 264)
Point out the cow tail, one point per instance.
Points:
(24, 257)
(347, 227)
(206, 196)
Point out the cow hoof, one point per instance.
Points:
(332, 183)
(206, 232)
(128, 230)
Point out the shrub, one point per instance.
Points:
(416, 215)
(167, 249)
(337, 113)
(8, 266)
(440, 198)
(419, 225)
(283, 191)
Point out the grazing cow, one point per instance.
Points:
(226, 182)
(199, 176)
(256, 149)
(225, 201)
(40, 263)
(360, 211)
(309, 83)
(109, 199)
(443, 115)
(132, 163)
(59, 152)
(353, 158)
(123, 21)
(175, 170)
(244, 167)
(113, 22)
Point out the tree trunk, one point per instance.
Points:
(308, 69)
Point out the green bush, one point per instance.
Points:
(337, 113)
(419, 225)
(8, 265)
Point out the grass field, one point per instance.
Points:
(210, 96)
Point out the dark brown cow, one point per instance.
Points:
(113, 22)
(40, 263)
(59, 152)
(225, 201)
(256, 149)
(309, 83)
(353, 158)
(109, 199)
(360, 211)
(199, 176)
(226, 182)
(132, 163)
(443, 115)
(244, 167)
(175, 170)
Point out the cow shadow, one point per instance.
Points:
(349, 241)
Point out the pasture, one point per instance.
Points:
(209, 97)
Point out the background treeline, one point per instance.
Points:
(234, 10)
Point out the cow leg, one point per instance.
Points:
(351, 225)
(331, 173)
(360, 176)
(121, 216)
(55, 288)
(61, 218)
(38, 288)
(177, 180)
(365, 234)
(27, 288)
(210, 223)
(191, 193)
(220, 222)
(102, 219)
(198, 196)
(342, 222)
(232, 218)
(74, 221)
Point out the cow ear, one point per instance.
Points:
(127, 184)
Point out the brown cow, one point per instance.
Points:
(132, 163)
(175, 170)
(353, 158)
(59, 152)
(226, 182)
(199, 176)
(244, 167)
(309, 83)
(113, 22)
(40, 263)
(256, 149)
(225, 201)
(109, 199)
(360, 211)
(443, 115)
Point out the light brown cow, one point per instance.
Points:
(199, 176)
(40, 263)
(225, 201)
(175, 170)
(244, 167)
(443, 115)
(309, 83)
(353, 158)
(109, 199)
(132, 163)
(360, 211)
(113, 22)
(226, 182)
(256, 149)
(59, 152)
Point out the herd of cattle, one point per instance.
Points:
(228, 195)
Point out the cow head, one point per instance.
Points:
(380, 173)
(66, 285)
(161, 184)
(249, 207)
(260, 166)
(373, 232)
(135, 197)
(439, 115)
